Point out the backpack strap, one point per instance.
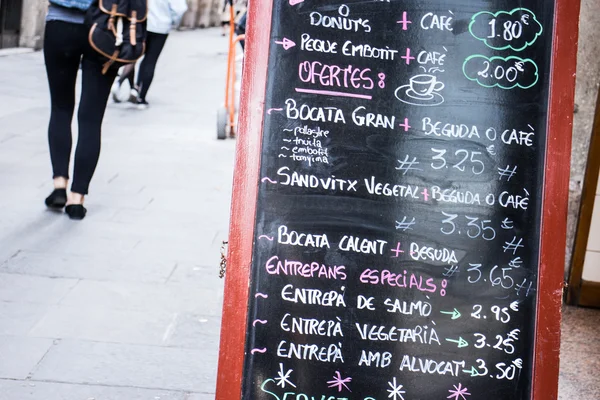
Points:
(118, 29)
(132, 26)
(110, 62)
(111, 19)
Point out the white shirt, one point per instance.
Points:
(163, 14)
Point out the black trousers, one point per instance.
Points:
(154, 46)
(65, 49)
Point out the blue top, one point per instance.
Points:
(58, 13)
(72, 11)
(77, 4)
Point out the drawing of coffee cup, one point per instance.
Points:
(424, 85)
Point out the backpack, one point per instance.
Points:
(117, 30)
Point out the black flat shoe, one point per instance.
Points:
(75, 211)
(57, 199)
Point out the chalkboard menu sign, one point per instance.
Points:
(397, 231)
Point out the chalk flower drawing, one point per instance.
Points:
(458, 391)
(396, 391)
(283, 377)
(339, 382)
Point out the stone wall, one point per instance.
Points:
(32, 23)
(588, 80)
(202, 14)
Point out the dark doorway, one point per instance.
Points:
(10, 22)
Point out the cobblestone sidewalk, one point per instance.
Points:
(125, 304)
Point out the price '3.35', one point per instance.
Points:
(475, 227)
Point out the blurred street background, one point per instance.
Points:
(125, 305)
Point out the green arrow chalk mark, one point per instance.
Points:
(536, 24)
(455, 313)
(460, 342)
(513, 60)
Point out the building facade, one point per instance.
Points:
(22, 21)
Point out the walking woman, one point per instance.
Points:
(162, 16)
(66, 47)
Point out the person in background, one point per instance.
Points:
(239, 8)
(66, 46)
(127, 74)
(240, 28)
(162, 16)
(225, 16)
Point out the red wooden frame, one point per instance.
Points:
(243, 206)
(555, 205)
(245, 189)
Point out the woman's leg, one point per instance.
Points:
(62, 54)
(154, 45)
(95, 89)
(127, 73)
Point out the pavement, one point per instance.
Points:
(126, 304)
(579, 354)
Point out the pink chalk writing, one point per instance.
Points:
(338, 382)
(405, 125)
(404, 20)
(407, 57)
(397, 250)
(317, 73)
(334, 93)
(269, 238)
(286, 43)
(275, 266)
(403, 280)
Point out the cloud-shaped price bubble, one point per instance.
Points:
(503, 72)
(516, 29)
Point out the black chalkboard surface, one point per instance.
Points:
(398, 215)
